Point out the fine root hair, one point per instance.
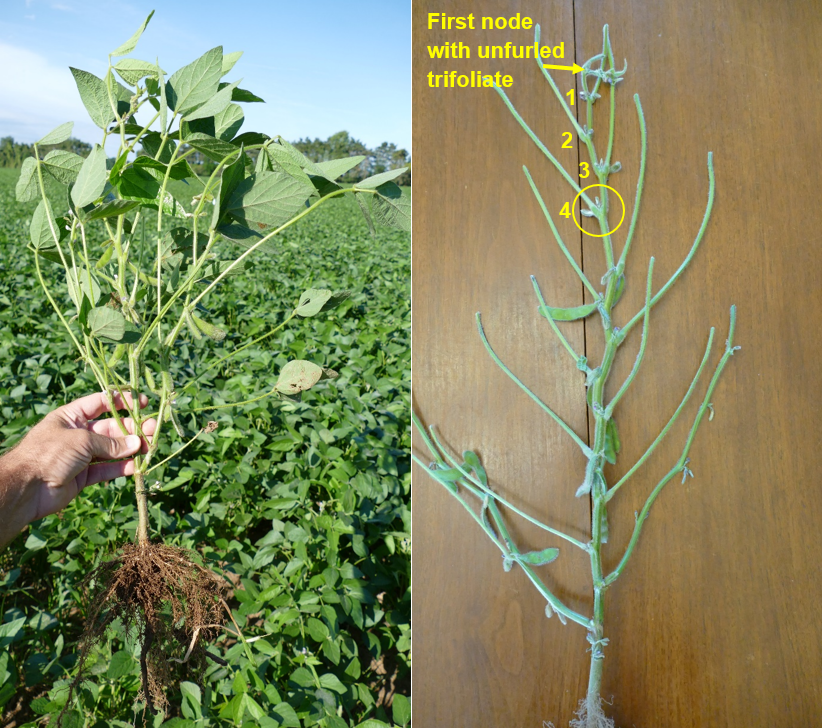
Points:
(590, 715)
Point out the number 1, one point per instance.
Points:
(571, 95)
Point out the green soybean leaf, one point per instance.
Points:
(213, 148)
(231, 177)
(281, 159)
(391, 207)
(131, 43)
(217, 267)
(195, 83)
(112, 208)
(287, 715)
(215, 104)
(568, 314)
(297, 376)
(250, 137)
(179, 170)
(42, 223)
(335, 167)
(121, 664)
(138, 184)
(366, 213)
(78, 286)
(335, 300)
(109, 325)
(228, 122)
(268, 199)
(60, 134)
(192, 700)
(94, 95)
(229, 59)
(91, 180)
(62, 165)
(131, 70)
(10, 630)
(241, 94)
(26, 189)
(401, 709)
(152, 142)
(312, 302)
(372, 183)
(331, 682)
(539, 558)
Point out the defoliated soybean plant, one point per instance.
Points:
(129, 305)
(466, 479)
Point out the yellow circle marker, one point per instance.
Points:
(600, 235)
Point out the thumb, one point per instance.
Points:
(113, 448)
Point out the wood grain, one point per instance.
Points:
(715, 619)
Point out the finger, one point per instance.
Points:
(113, 448)
(85, 408)
(93, 405)
(110, 428)
(100, 472)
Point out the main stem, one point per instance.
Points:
(142, 509)
(596, 636)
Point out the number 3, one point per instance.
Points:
(584, 167)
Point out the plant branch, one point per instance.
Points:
(683, 459)
(667, 427)
(585, 449)
(662, 291)
(554, 230)
(542, 147)
(487, 490)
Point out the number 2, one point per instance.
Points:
(567, 143)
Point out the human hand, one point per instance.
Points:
(65, 452)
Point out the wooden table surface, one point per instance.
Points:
(715, 621)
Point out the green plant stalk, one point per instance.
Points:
(458, 476)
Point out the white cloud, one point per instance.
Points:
(38, 96)
(60, 6)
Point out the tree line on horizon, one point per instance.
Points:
(385, 157)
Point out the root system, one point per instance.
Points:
(164, 599)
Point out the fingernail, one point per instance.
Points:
(132, 442)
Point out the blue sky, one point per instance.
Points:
(321, 66)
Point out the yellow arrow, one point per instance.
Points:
(573, 69)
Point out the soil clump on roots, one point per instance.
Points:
(171, 604)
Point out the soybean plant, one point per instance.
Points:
(130, 305)
(466, 479)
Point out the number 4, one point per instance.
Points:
(565, 211)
